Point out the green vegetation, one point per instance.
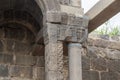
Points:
(108, 30)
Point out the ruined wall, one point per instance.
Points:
(16, 62)
(101, 62)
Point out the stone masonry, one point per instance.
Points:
(47, 40)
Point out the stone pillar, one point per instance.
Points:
(53, 54)
(75, 65)
(75, 3)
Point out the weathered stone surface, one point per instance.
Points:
(14, 33)
(6, 59)
(1, 46)
(4, 78)
(101, 43)
(90, 75)
(110, 76)
(22, 48)
(98, 64)
(39, 73)
(64, 2)
(25, 60)
(51, 75)
(72, 20)
(76, 3)
(10, 45)
(104, 43)
(71, 10)
(4, 70)
(85, 63)
(21, 71)
(54, 17)
(40, 61)
(17, 78)
(1, 32)
(92, 52)
(112, 54)
(113, 65)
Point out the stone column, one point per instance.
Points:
(75, 65)
(53, 54)
(75, 3)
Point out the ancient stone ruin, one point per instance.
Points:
(48, 40)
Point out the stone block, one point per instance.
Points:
(51, 75)
(72, 20)
(110, 76)
(101, 43)
(17, 78)
(39, 73)
(10, 46)
(92, 52)
(1, 32)
(64, 2)
(5, 78)
(85, 63)
(90, 75)
(3, 71)
(25, 60)
(113, 54)
(40, 61)
(14, 33)
(22, 48)
(1, 46)
(114, 65)
(71, 10)
(53, 17)
(6, 59)
(98, 64)
(114, 45)
(21, 71)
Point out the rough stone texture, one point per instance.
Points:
(21, 21)
(4, 71)
(90, 75)
(25, 60)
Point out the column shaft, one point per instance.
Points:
(54, 61)
(75, 65)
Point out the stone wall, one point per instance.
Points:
(16, 60)
(21, 67)
(101, 62)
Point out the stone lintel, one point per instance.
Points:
(72, 10)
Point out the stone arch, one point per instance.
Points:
(48, 5)
(30, 14)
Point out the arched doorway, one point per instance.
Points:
(20, 23)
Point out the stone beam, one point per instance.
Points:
(101, 12)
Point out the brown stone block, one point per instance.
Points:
(40, 61)
(6, 59)
(3, 70)
(85, 63)
(90, 75)
(1, 46)
(22, 48)
(110, 76)
(114, 65)
(25, 60)
(21, 71)
(39, 73)
(98, 64)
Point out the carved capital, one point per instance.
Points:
(74, 33)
